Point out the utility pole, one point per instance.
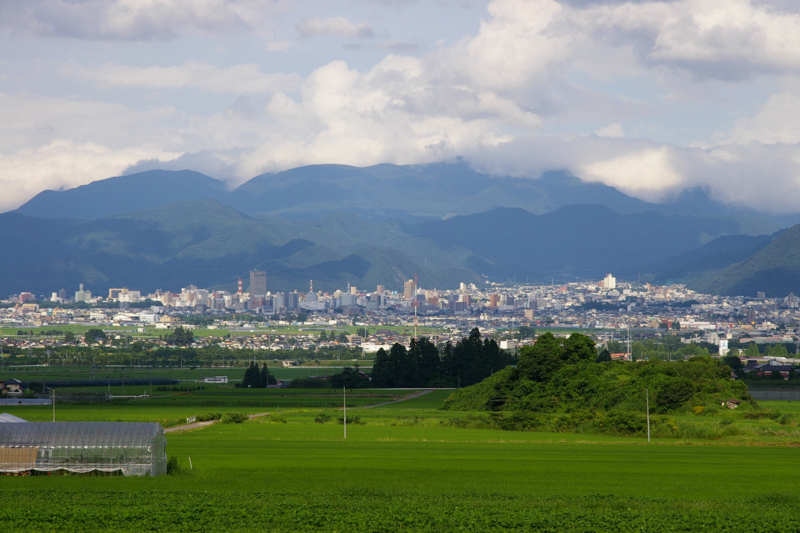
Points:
(647, 396)
(344, 391)
(54, 404)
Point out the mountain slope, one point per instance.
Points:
(573, 241)
(122, 194)
(410, 193)
(210, 244)
(712, 256)
(774, 269)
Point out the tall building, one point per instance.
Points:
(258, 283)
(380, 290)
(82, 295)
(494, 300)
(609, 282)
(408, 289)
(354, 291)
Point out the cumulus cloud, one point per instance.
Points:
(135, 19)
(340, 26)
(612, 130)
(246, 78)
(490, 98)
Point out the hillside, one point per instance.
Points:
(711, 257)
(560, 376)
(122, 194)
(410, 193)
(208, 243)
(774, 269)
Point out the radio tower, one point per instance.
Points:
(415, 306)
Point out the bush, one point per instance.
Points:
(173, 465)
(322, 418)
(209, 416)
(354, 420)
(234, 418)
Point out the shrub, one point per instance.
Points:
(209, 416)
(173, 465)
(234, 418)
(355, 420)
(322, 418)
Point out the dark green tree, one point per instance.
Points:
(94, 335)
(603, 357)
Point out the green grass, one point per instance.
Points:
(403, 468)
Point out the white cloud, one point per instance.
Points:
(776, 122)
(612, 130)
(532, 64)
(341, 26)
(279, 46)
(65, 164)
(245, 79)
(136, 19)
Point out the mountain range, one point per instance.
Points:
(410, 193)
(382, 225)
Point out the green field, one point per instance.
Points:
(404, 467)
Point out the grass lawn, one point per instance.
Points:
(403, 468)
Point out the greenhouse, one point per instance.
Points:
(132, 449)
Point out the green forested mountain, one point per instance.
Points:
(409, 193)
(208, 243)
(773, 269)
(562, 376)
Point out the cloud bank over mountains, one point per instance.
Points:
(651, 97)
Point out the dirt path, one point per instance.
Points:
(404, 398)
(198, 425)
(186, 427)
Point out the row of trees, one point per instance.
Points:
(257, 379)
(423, 364)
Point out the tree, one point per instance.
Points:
(603, 357)
(734, 362)
(323, 337)
(342, 337)
(266, 378)
(752, 351)
(526, 332)
(69, 337)
(252, 377)
(542, 360)
(94, 335)
(352, 379)
(676, 325)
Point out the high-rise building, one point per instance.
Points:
(354, 291)
(82, 295)
(408, 289)
(258, 283)
(494, 300)
(609, 282)
(381, 289)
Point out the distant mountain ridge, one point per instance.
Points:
(210, 244)
(410, 193)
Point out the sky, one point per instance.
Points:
(652, 97)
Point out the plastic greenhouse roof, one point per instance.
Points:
(79, 433)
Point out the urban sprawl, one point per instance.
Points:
(610, 310)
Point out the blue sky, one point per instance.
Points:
(649, 96)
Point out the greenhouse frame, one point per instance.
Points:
(132, 449)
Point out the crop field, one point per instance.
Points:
(406, 467)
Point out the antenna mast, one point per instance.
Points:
(415, 306)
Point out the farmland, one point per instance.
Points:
(406, 466)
